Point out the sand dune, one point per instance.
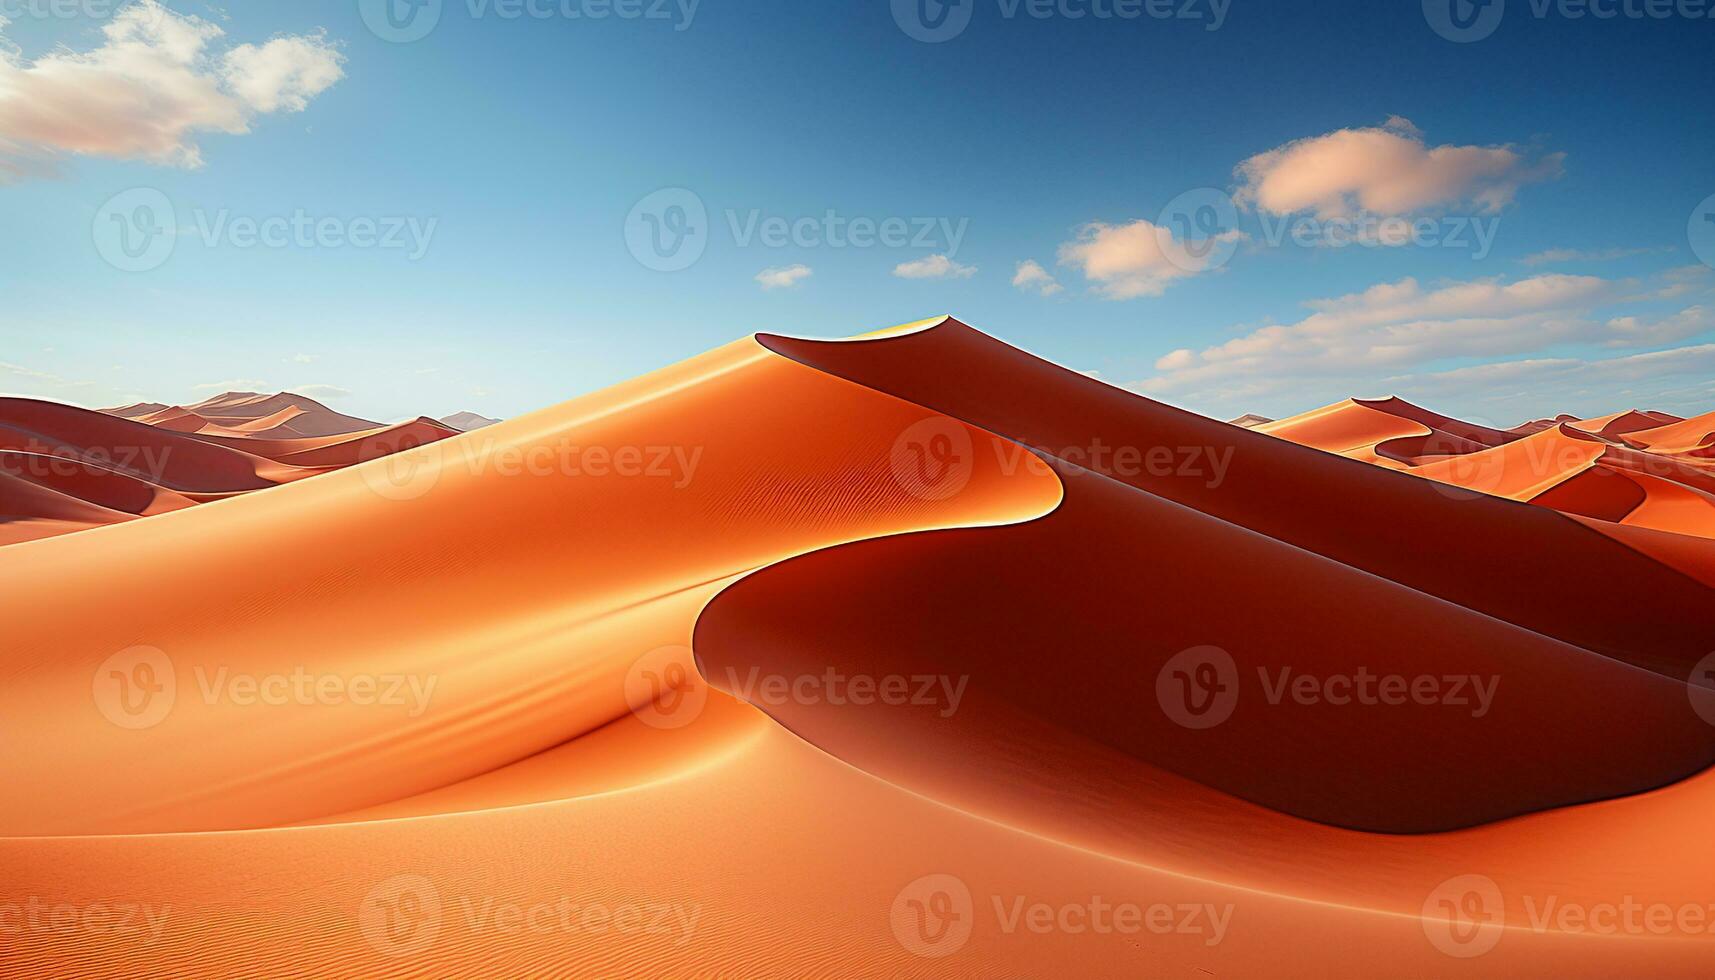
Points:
(835, 658)
(66, 469)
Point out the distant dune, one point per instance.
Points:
(67, 469)
(836, 658)
(467, 421)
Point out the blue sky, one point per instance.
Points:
(1553, 171)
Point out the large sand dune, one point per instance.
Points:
(860, 658)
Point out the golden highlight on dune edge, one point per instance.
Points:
(909, 654)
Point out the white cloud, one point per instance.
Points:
(236, 384)
(1631, 331)
(149, 89)
(303, 358)
(1401, 325)
(1137, 259)
(1558, 255)
(934, 267)
(1388, 171)
(320, 391)
(783, 277)
(1031, 276)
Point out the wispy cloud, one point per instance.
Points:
(784, 277)
(934, 267)
(1555, 256)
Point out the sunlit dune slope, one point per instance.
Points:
(525, 568)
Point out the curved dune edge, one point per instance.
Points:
(517, 669)
(825, 851)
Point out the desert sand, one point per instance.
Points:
(857, 658)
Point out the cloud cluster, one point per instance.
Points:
(149, 89)
(1387, 170)
(1401, 325)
